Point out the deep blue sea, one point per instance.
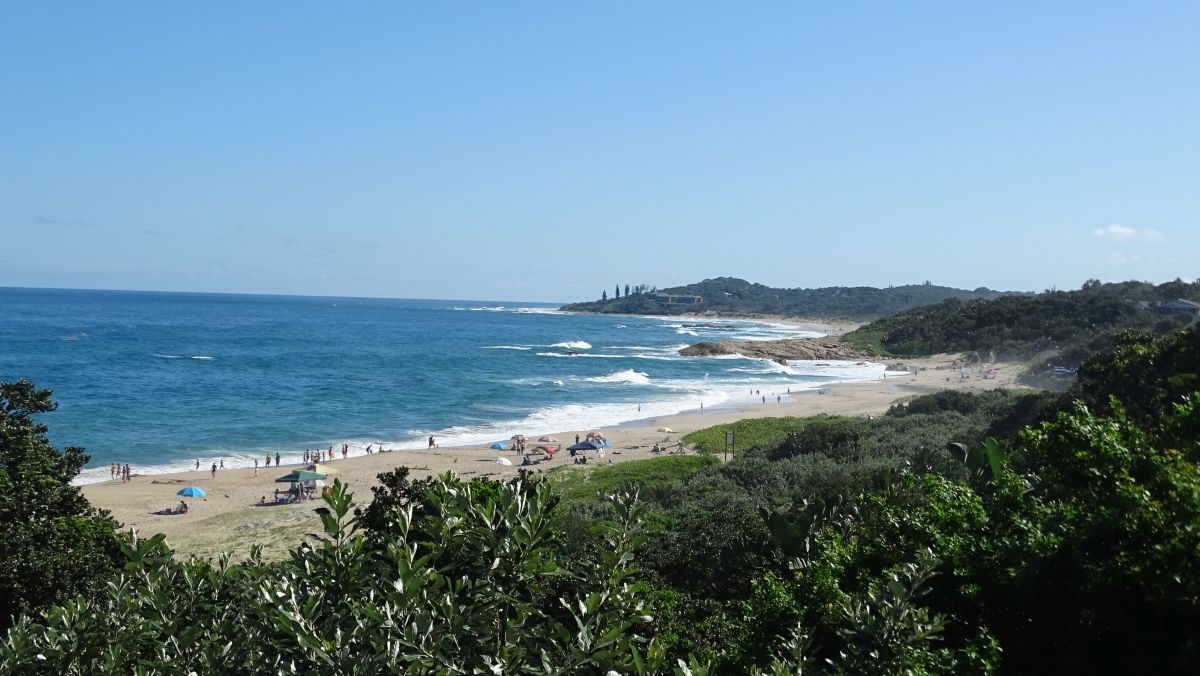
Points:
(158, 380)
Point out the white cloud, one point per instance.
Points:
(1123, 233)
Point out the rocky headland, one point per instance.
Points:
(779, 351)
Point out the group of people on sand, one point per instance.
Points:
(326, 455)
(119, 471)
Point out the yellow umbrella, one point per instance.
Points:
(665, 429)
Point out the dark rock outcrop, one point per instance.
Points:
(777, 350)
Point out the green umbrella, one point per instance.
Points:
(298, 476)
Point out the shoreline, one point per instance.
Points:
(244, 458)
(230, 518)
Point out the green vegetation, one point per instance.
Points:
(752, 433)
(731, 296)
(1005, 532)
(1058, 328)
(584, 484)
(55, 545)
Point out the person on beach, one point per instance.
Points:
(197, 463)
(214, 470)
(276, 459)
(256, 467)
(268, 460)
(128, 474)
(432, 442)
(764, 399)
(112, 471)
(345, 450)
(183, 508)
(222, 463)
(368, 449)
(577, 438)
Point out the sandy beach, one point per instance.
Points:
(231, 519)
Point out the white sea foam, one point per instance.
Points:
(626, 376)
(504, 308)
(574, 345)
(168, 356)
(506, 347)
(202, 357)
(580, 355)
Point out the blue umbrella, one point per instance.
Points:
(499, 445)
(191, 492)
(585, 446)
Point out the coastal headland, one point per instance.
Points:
(231, 519)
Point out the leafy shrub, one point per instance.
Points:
(484, 589)
(56, 545)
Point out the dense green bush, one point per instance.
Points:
(484, 589)
(1066, 325)
(1146, 375)
(55, 544)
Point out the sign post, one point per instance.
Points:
(728, 443)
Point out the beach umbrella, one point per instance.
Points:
(552, 440)
(518, 437)
(191, 492)
(498, 446)
(299, 476)
(585, 446)
(665, 429)
(504, 461)
(594, 435)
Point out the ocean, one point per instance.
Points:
(159, 380)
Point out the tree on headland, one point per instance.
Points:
(617, 292)
(56, 545)
(603, 295)
(626, 290)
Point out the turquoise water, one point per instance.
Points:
(158, 380)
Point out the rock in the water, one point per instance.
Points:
(778, 351)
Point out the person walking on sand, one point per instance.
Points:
(197, 463)
(432, 442)
(276, 459)
(214, 470)
(112, 471)
(128, 474)
(256, 467)
(222, 463)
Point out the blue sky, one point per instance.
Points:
(546, 151)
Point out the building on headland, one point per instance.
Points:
(1179, 306)
(678, 299)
